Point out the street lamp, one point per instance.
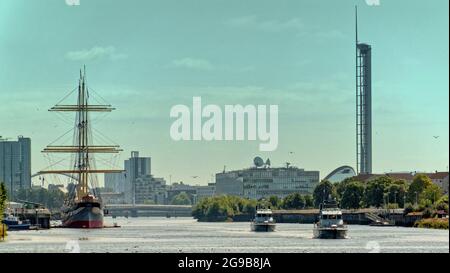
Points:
(37, 218)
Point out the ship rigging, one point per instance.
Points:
(83, 208)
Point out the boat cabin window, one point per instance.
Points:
(332, 217)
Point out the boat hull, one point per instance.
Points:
(330, 233)
(15, 225)
(86, 216)
(18, 227)
(263, 227)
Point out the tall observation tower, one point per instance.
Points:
(363, 105)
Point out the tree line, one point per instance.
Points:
(381, 192)
(52, 199)
(225, 207)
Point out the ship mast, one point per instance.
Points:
(83, 154)
(83, 148)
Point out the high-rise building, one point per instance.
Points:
(115, 182)
(363, 106)
(135, 167)
(15, 164)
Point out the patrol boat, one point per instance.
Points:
(330, 224)
(263, 220)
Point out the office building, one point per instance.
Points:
(204, 191)
(15, 164)
(263, 181)
(230, 183)
(150, 190)
(135, 167)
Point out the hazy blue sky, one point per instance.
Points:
(146, 56)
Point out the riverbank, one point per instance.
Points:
(351, 217)
(432, 223)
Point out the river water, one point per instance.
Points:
(177, 235)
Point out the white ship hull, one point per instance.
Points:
(265, 227)
(330, 233)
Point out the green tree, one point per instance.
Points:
(341, 186)
(240, 204)
(181, 199)
(374, 195)
(52, 199)
(222, 208)
(353, 195)
(218, 211)
(442, 204)
(294, 201)
(432, 192)
(425, 204)
(309, 201)
(275, 201)
(323, 191)
(397, 193)
(249, 206)
(419, 184)
(264, 203)
(3, 197)
(199, 210)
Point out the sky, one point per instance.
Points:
(145, 56)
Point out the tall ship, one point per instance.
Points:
(83, 207)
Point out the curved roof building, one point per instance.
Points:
(340, 174)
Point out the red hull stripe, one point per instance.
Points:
(84, 224)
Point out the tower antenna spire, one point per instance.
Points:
(363, 104)
(356, 24)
